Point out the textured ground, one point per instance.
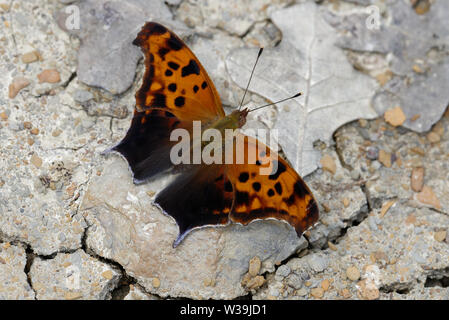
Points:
(74, 226)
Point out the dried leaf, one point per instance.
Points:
(306, 60)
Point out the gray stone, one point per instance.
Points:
(318, 262)
(107, 58)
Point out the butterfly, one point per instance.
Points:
(175, 92)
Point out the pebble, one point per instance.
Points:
(353, 273)
(368, 292)
(427, 196)
(317, 292)
(395, 116)
(49, 75)
(355, 174)
(107, 274)
(30, 57)
(385, 207)
(36, 161)
(255, 282)
(417, 179)
(346, 202)
(16, 85)
(294, 281)
(328, 164)
(156, 282)
(440, 236)
(317, 262)
(283, 271)
(254, 266)
(325, 284)
(385, 158)
(4, 116)
(34, 131)
(433, 137)
(372, 153)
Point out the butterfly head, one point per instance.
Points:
(239, 116)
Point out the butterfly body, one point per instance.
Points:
(255, 184)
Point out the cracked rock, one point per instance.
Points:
(13, 280)
(73, 276)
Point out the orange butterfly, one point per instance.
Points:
(176, 91)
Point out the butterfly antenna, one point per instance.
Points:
(251, 76)
(270, 104)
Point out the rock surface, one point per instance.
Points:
(68, 211)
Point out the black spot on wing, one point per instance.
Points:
(174, 43)
(270, 192)
(179, 101)
(162, 52)
(173, 65)
(172, 87)
(195, 88)
(256, 186)
(204, 85)
(300, 189)
(243, 177)
(191, 68)
(278, 188)
(276, 173)
(168, 72)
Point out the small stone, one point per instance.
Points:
(34, 131)
(417, 179)
(440, 236)
(16, 85)
(352, 273)
(49, 75)
(417, 69)
(332, 246)
(433, 137)
(368, 292)
(385, 207)
(156, 282)
(294, 281)
(415, 117)
(283, 271)
(328, 164)
(317, 292)
(27, 125)
(56, 133)
(395, 116)
(30, 57)
(385, 158)
(346, 202)
(318, 263)
(30, 141)
(345, 293)
(255, 282)
(4, 116)
(107, 274)
(325, 284)
(301, 292)
(372, 153)
(254, 266)
(36, 161)
(384, 77)
(428, 197)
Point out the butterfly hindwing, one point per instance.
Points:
(266, 186)
(200, 197)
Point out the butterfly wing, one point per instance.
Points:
(175, 91)
(200, 197)
(174, 78)
(266, 186)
